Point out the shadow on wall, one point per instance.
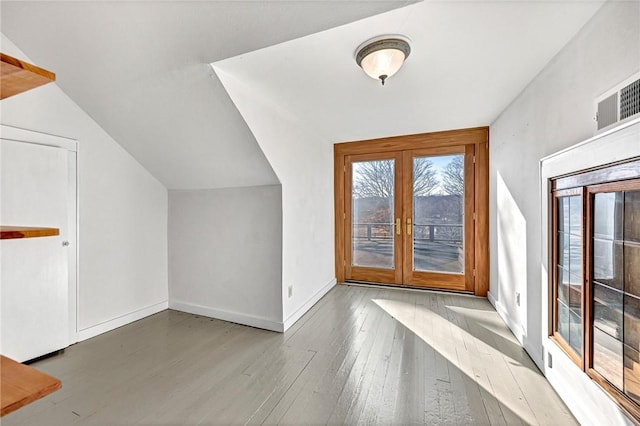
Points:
(512, 259)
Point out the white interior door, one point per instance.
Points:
(35, 308)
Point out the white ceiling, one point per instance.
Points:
(140, 69)
(469, 60)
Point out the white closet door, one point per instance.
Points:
(34, 287)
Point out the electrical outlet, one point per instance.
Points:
(290, 290)
(518, 299)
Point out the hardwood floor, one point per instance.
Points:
(360, 355)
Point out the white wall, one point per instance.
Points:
(122, 212)
(303, 162)
(225, 254)
(555, 111)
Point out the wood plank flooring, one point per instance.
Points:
(360, 356)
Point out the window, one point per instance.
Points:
(595, 294)
(569, 273)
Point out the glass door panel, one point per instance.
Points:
(372, 210)
(438, 214)
(373, 234)
(568, 220)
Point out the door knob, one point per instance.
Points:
(65, 244)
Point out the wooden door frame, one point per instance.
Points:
(478, 137)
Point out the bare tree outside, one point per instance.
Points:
(376, 179)
(425, 177)
(453, 182)
(373, 179)
(453, 176)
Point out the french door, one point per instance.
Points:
(409, 217)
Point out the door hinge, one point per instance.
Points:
(344, 215)
(344, 169)
(344, 262)
(474, 159)
(474, 272)
(474, 215)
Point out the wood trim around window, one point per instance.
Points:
(478, 140)
(628, 169)
(623, 176)
(621, 399)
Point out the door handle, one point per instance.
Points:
(398, 232)
(409, 226)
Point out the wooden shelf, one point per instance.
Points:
(21, 385)
(9, 232)
(17, 76)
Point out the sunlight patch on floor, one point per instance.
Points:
(445, 337)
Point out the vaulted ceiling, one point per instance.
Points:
(141, 70)
(469, 60)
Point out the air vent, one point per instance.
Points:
(608, 111)
(630, 100)
(620, 104)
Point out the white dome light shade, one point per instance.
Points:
(381, 59)
(382, 62)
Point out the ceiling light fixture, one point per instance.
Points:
(381, 57)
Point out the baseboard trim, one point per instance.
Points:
(308, 304)
(535, 355)
(96, 330)
(513, 325)
(517, 330)
(236, 317)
